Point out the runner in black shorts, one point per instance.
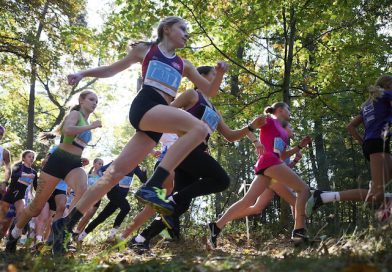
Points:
(22, 176)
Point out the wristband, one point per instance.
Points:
(251, 129)
(299, 147)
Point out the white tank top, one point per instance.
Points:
(1, 155)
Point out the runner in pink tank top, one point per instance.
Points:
(274, 138)
(271, 144)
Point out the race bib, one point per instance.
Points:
(211, 118)
(125, 182)
(25, 179)
(163, 77)
(279, 145)
(368, 113)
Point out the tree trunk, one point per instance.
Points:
(33, 78)
(321, 157)
(234, 82)
(289, 33)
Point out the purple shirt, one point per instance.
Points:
(377, 116)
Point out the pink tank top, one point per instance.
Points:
(274, 138)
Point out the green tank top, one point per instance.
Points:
(81, 140)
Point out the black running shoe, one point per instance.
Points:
(299, 236)
(10, 246)
(313, 203)
(60, 236)
(139, 248)
(214, 232)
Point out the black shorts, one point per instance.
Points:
(261, 172)
(15, 192)
(52, 200)
(61, 162)
(146, 99)
(372, 146)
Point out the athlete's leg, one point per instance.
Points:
(46, 186)
(77, 180)
(41, 222)
(380, 173)
(259, 184)
(61, 201)
(283, 174)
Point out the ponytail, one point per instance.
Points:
(269, 110)
(47, 137)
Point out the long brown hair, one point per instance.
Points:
(46, 137)
(377, 90)
(165, 22)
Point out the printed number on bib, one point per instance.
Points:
(163, 77)
(279, 145)
(211, 118)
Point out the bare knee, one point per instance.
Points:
(303, 189)
(113, 175)
(34, 209)
(200, 131)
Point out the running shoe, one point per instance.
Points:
(10, 246)
(156, 198)
(299, 236)
(313, 203)
(213, 237)
(173, 225)
(139, 248)
(61, 237)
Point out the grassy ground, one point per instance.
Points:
(368, 251)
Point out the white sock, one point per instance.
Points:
(330, 197)
(140, 239)
(16, 232)
(39, 238)
(82, 236)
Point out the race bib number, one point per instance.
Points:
(279, 145)
(211, 118)
(163, 77)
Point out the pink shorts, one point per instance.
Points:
(265, 161)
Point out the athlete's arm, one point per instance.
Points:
(16, 171)
(288, 153)
(135, 55)
(70, 127)
(185, 100)
(234, 135)
(7, 165)
(352, 128)
(208, 88)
